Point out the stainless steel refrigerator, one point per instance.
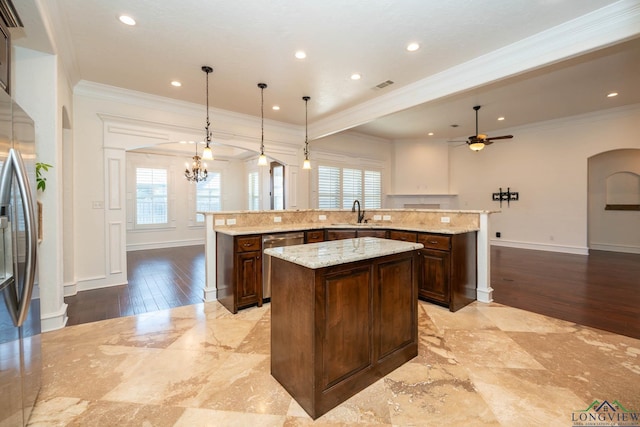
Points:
(20, 355)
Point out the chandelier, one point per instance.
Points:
(198, 170)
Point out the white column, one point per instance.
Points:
(210, 291)
(484, 292)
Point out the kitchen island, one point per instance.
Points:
(343, 315)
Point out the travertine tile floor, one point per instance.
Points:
(199, 365)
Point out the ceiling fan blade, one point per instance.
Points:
(458, 140)
(493, 138)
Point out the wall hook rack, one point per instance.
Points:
(506, 196)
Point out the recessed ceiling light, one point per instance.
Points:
(412, 47)
(612, 94)
(355, 76)
(127, 20)
(301, 54)
(430, 134)
(500, 118)
(176, 83)
(276, 107)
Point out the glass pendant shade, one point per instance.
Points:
(476, 146)
(262, 160)
(306, 164)
(207, 153)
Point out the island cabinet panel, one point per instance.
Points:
(448, 271)
(347, 346)
(238, 271)
(336, 330)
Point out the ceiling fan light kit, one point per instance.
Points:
(478, 141)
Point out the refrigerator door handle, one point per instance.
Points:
(14, 166)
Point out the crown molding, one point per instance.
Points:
(604, 27)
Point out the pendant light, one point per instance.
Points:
(307, 163)
(198, 170)
(207, 154)
(262, 160)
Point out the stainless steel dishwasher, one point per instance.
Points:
(275, 241)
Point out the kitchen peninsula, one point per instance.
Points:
(456, 253)
(355, 317)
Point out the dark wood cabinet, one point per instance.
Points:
(368, 232)
(352, 233)
(352, 324)
(405, 236)
(339, 234)
(239, 271)
(448, 269)
(314, 236)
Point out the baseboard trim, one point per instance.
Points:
(161, 245)
(70, 289)
(210, 294)
(97, 283)
(578, 250)
(615, 248)
(53, 321)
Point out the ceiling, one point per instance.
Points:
(252, 41)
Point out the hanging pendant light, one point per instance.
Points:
(307, 163)
(198, 170)
(262, 160)
(207, 154)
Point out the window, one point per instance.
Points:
(209, 195)
(254, 191)
(328, 187)
(151, 196)
(372, 190)
(339, 187)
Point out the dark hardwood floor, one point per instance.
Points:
(601, 290)
(158, 279)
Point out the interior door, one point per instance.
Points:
(277, 186)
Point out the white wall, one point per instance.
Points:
(547, 164)
(183, 229)
(109, 122)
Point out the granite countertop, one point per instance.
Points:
(282, 228)
(327, 254)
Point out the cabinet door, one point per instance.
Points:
(434, 276)
(314, 236)
(340, 234)
(405, 236)
(248, 278)
(373, 233)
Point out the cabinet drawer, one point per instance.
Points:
(314, 236)
(434, 241)
(405, 236)
(248, 244)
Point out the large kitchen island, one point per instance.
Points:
(343, 315)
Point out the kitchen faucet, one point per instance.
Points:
(360, 214)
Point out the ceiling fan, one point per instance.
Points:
(478, 141)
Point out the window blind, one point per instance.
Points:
(209, 195)
(254, 191)
(328, 187)
(151, 196)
